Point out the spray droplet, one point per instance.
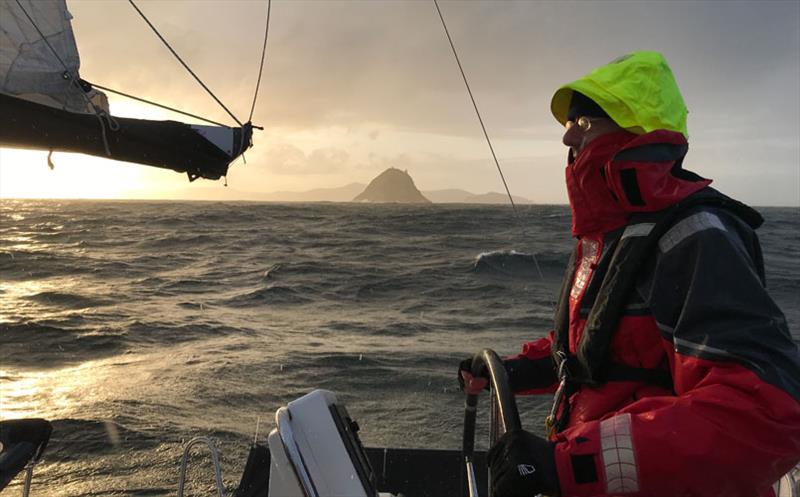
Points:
(112, 432)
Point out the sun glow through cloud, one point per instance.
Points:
(25, 173)
(350, 88)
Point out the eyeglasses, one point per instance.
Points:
(583, 122)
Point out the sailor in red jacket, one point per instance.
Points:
(679, 376)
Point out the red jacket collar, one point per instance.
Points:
(621, 173)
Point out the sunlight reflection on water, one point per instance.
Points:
(14, 294)
(133, 326)
(19, 298)
(49, 394)
(64, 393)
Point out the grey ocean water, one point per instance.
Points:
(134, 326)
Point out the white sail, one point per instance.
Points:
(29, 68)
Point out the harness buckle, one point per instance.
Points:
(552, 421)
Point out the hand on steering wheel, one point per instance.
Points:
(521, 463)
(472, 384)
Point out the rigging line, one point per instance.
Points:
(261, 69)
(488, 141)
(72, 78)
(111, 90)
(183, 63)
(475, 105)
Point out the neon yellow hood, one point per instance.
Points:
(637, 91)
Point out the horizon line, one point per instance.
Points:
(160, 199)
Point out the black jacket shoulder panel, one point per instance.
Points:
(704, 285)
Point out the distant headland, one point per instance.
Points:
(392, 186)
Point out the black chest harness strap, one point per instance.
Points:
(592, 364)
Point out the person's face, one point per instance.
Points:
(583, 130)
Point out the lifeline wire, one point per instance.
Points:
(261, 69)
(488, 141)
(183, 63)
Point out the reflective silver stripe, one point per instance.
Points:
(641, 229)
(683, 346)
(707, 349)
(666, 329)
(687, 227)
(619, 458)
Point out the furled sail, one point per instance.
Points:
(44, 105)
(28, 68)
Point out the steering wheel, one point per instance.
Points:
(505, 415)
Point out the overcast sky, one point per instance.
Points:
(353, 87)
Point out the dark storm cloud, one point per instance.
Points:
(380, 66)
(349, 63)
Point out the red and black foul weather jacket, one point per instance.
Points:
(683, 377)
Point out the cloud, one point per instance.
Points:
(289, 159)
(385, 70)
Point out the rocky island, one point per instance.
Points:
(392, 185)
